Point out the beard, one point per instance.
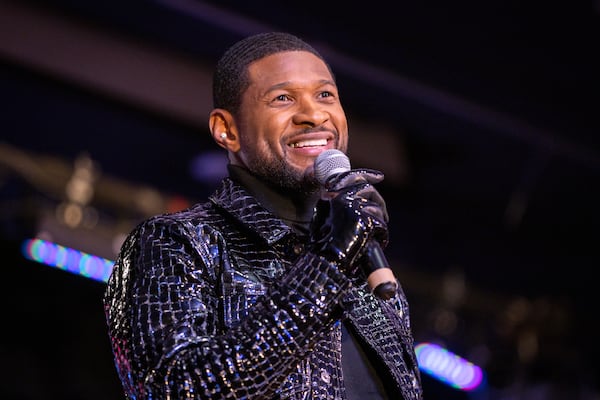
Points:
(282, 176)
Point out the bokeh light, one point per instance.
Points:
(448, 367)
(67, 259)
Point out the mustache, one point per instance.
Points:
(314, 129)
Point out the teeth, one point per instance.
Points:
(307, 143)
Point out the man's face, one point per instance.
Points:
(290, 113)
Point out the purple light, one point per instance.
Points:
(448, 367)
(67, 259)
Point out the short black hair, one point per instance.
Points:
(230, 79)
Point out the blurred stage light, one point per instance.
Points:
(448, 367)
(67, 259)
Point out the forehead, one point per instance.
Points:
(287, 66)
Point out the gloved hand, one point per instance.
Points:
(350, 214)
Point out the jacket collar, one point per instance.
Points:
(238, 202)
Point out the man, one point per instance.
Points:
(260, 292)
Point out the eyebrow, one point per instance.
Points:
(286, 83)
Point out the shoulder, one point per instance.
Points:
(186, 223)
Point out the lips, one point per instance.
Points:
(309, 143)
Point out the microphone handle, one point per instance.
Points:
(380, 277)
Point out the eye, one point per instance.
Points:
(281, 97)
(327, 96)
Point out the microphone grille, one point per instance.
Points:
(330, 163)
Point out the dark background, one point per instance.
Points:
(482, 115)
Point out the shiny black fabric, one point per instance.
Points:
(222, 301)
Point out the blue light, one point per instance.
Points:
(67, 259)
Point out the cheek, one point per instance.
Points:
(342, 129)
(276, 124)
(264, 124)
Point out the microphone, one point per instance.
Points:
(380, 276)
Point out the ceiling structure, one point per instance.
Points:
(483, 116)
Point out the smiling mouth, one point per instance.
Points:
(309, 143)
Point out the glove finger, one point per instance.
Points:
(365, 199)
(355, 177)
(364, 195)
(371, 194)
(376, 216)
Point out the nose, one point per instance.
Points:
(310, 112)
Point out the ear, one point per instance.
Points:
(223, 129)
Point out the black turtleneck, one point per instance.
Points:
(296, 210)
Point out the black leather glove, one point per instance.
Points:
(350, 214)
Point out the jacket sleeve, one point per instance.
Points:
(162, 305)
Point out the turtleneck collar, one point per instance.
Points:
(294, 209)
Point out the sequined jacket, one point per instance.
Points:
(222, 301)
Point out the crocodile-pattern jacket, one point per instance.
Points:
(221, 301)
